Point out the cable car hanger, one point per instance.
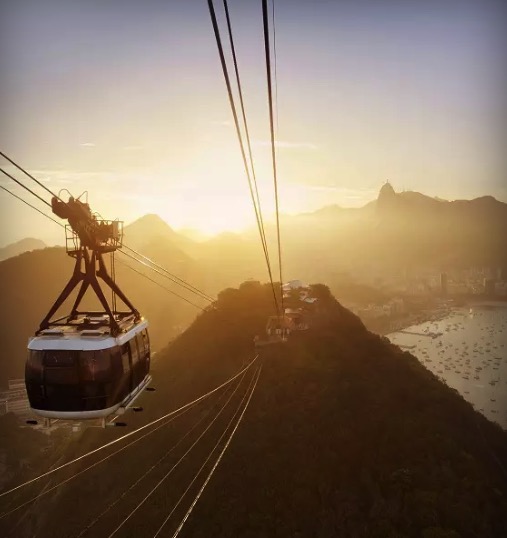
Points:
(87, 239)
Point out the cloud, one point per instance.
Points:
(87, 145)
(285, 144)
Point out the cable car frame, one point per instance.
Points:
(88, 364)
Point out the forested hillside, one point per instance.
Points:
(346, 435)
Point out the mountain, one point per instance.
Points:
(152, 236)
(151, 233)
(397, 231)
(345, 435)
(24, 245)
(423, 230)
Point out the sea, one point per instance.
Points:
(467, 350)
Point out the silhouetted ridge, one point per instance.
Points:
(152, 220)
(346, 435)
(24, 245)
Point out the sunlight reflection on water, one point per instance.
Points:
(468, 349)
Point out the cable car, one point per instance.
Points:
(88, 365)
(78, 373)
(278, 329)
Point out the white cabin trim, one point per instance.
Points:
(75, 341)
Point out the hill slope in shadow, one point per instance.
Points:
(346, 435)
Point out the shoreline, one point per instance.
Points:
(417, 318)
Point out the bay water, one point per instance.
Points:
(468, 350)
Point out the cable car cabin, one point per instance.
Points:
(277, 330)
(74, 373)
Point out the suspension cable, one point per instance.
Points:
(247, 134)
(238, 132)
(32, 206)
(189, 286)
(248, 391)
(113, 277)
(25, 187)
(159, 272)
(274, 62)
(272, 131)
(114, 441)
(181, 281)
(154, 466)
(21, 169)
(159, 284)
(185, 454)
(119, 261)
(208, 478)
(93, 465)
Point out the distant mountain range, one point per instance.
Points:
(396, 231)
(25, 245)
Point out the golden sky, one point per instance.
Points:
(127, 101)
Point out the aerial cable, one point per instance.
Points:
(158, 283)
(167, 415)
(161, 274)
(32, 206)
(113, 276)
(238, 132)
(274, 62)
(182, 283)
(247, 134)
(25, 187)
(75, 475)
(185, 284)
(248, 393)
(272, 131)
(185, 454)
(208, 478)
(119, 261)
(20, 168)
(152, 467)
(192, 288)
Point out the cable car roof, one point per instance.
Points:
(74, 337)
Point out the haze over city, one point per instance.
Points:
(128, 102)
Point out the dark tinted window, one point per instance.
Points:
(94, 364)
(33, 369)
(34, 361)
(140, 345)
(146, 338)
(61, 375)
(59, 358)
(125, 357)
(133, 349)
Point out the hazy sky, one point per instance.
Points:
(126, 99)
